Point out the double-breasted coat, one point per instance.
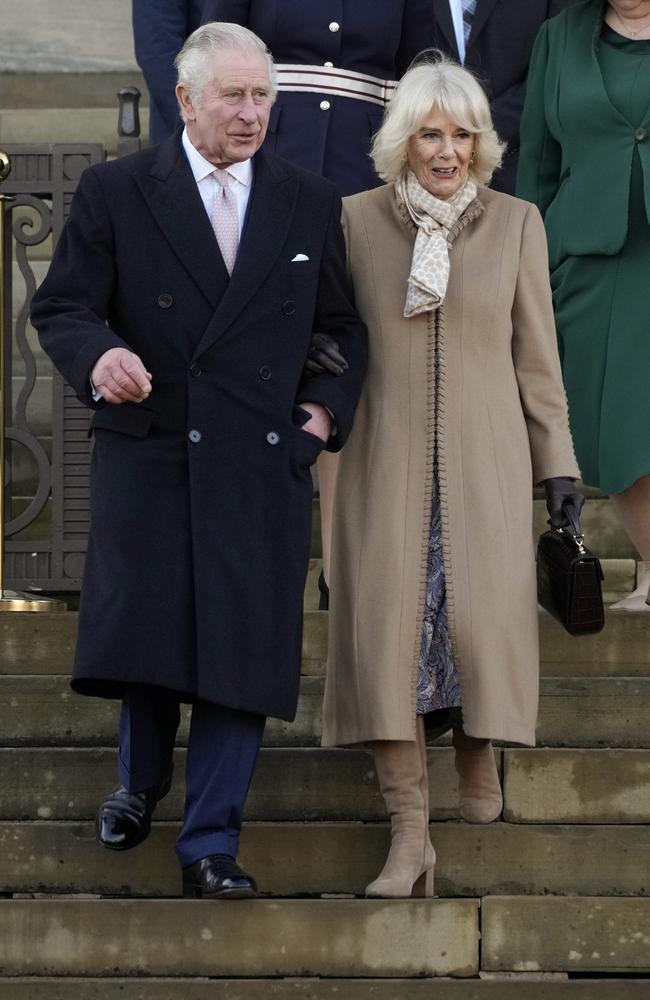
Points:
(200, 496)
(476, 392)
(326, 133)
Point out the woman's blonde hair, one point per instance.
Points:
(436, 82)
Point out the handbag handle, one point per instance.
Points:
(574, 530)
(570, 515)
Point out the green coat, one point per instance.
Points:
(558, 169)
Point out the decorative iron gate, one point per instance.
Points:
(46, 534)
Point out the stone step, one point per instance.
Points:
(299, 859)
(65, 125)
(540, 786)
(571, 934)
(41, 710)
(44, 644)
(66, 36)
(603, 530)
(30, 90)
(338, 938)
(620, 579)
(324, 785)
(577, 786)
(549, 986)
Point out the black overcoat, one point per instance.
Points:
(200, 496)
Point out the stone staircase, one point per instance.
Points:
(549, 902)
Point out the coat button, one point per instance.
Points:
(194, 436)
(165, 300)
(195, 369)
(289, 307)
(272, 437)
(265, 373)
(324, 105)
(329, 64)
(640, 135)
(334, 25)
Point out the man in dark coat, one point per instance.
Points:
(494, 39)
(160, 28)
(205, 430)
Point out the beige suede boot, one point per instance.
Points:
(479, 791)
(403, 780)
(639, 599)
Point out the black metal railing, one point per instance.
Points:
(47, 445)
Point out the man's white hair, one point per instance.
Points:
(195, 62)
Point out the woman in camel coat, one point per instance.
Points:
(433, 617)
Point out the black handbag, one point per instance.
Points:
(569, 579)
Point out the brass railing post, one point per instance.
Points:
(9, 599)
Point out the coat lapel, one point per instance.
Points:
(481, 15)
(175, 203)
(269, 218)
(442, 14)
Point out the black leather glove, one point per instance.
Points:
(324, 356)
(563, 502)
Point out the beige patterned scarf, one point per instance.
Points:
(434, 219)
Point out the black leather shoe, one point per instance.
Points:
(217, 877)
(124, 819)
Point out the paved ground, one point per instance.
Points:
(65, 36)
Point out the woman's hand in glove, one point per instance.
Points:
(324, 356)
(563, 502)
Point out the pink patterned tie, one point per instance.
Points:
(225, 219)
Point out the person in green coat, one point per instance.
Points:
(585, 162)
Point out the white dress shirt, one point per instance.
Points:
(208, 185)
(456, 7)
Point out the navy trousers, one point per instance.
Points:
(221, 754)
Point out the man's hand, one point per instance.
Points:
(320, 422)
(120, 377)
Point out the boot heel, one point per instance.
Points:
(423, 886)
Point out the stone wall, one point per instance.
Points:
(66, 36)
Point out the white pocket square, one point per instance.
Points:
(300, 256)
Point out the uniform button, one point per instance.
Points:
(324, 105)
(328, 63)
(640, 135)
(195, 369)
(272, 437)
(334, 25)
(289, 307)
(194, 436)
(165, 300)
(265, 373)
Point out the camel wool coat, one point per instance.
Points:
(475, 391)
